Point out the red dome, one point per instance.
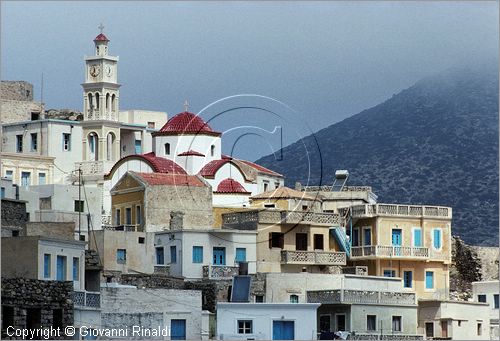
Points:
(101, 37)
(231, 186)
(186, 123)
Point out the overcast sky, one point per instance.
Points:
(324, 60)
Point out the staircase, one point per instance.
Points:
(339, 234)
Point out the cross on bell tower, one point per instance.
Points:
(186, 105)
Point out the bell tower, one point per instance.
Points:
(101, 89)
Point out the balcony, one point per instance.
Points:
(87, 299)
(345, 296)
(384, 251)
(393, 210)
(313, 257)
(220, 271)
(249, 220)
(125, 228)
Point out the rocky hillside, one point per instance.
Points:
(433, 143)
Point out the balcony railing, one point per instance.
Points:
(377, 336)
(248, 220)
(360, 297)
(389, 251)
(86, 299)
(417, 211)
(313, 257)
(220, 271)
(327, 188)
(126, 228)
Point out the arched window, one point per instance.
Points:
(294, 298)
(212, 150)
(107, 102)
(167, 148)
(97, 100)
(93, 143)
(110, 141)
(91, 101)
(113, 102)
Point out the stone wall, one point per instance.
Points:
(488, 257)
(16, 90)
(60, 230)
(14, 217)
(22, 295)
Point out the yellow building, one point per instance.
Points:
(293, 235)
(407, 241)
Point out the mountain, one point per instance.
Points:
(434, 143)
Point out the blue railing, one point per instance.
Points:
(341, 238)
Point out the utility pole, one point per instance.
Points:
(79, 202)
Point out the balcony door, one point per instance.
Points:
(301, 242)
(219, 256)
(396, 241)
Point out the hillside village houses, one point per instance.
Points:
(133, 218)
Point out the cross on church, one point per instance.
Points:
(186, 105)
(101, 27)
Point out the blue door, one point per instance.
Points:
(219, 256)
(177, 329)
(61, 268)
(283, 330)
(396, 241)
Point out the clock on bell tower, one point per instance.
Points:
(101, 89)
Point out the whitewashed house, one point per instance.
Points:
(208, 253)
(488, 292)
(266, 321)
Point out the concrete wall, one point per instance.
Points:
(151, 308)
(60, 230)
(13, 215)
(139, 257)
(262, 316)
(384, 316)
(279, 286)
(489, 288)
(195, 202)
(464, 320)
(20, 257)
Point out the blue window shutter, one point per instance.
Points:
(417, 237)
(197, 254)
(241, 254)
(76, 267)
(46, 266)
(173, 254)
(429, 280)
(437, 239)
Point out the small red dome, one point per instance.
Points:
(231, 186)
(186, 123)
(101, 37)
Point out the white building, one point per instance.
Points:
(455, 320)
(208, 253)
(178, 312)
(266, 321)
(488, 292)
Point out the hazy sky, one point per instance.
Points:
(326, 60)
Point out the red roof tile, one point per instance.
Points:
(212, 167)
(160, 164)
(101, 37)
(231, 186)
(186, 123)
(158, 179)
(191, 153)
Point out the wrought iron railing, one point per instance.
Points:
(389, 251)
(86, 299)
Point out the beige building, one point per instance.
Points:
(16, 102)
(453, 320)
(407, 241)
(290, 240)
(154, 202)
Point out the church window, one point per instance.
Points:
(97, 100)
(113, 107)
(107, 101)
(167, 148)
(91, 102)
(212, 150)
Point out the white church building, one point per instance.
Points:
(108, 142)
